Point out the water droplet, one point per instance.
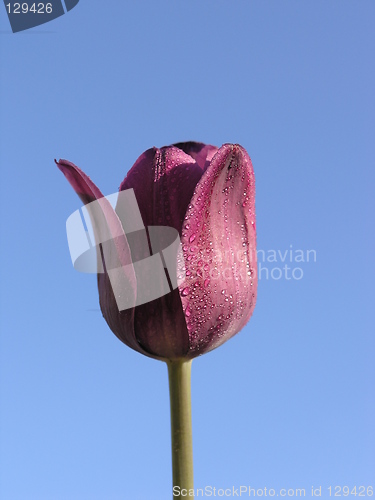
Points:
(185, 291)
(206, 282)
(192, 238)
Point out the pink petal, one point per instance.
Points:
(219, 241)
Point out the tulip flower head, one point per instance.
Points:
(207, 194)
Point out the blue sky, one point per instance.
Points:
(289, 402)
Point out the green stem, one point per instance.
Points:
(182, 447)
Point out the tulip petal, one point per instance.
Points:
(163, 181)
(113, 249)
(219, 243)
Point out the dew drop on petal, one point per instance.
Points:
(192, 238)
(185, 291)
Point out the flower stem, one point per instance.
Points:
(182, 447)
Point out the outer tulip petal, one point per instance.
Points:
(107, 229)
(219, 244)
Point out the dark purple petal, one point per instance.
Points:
(108, 229)
(163, 181)
(219, 244)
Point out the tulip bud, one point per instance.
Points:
(208, 196)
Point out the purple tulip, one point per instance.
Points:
(208, 195)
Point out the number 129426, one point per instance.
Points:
(24, 8)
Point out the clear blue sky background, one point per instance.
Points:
(287, 403)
